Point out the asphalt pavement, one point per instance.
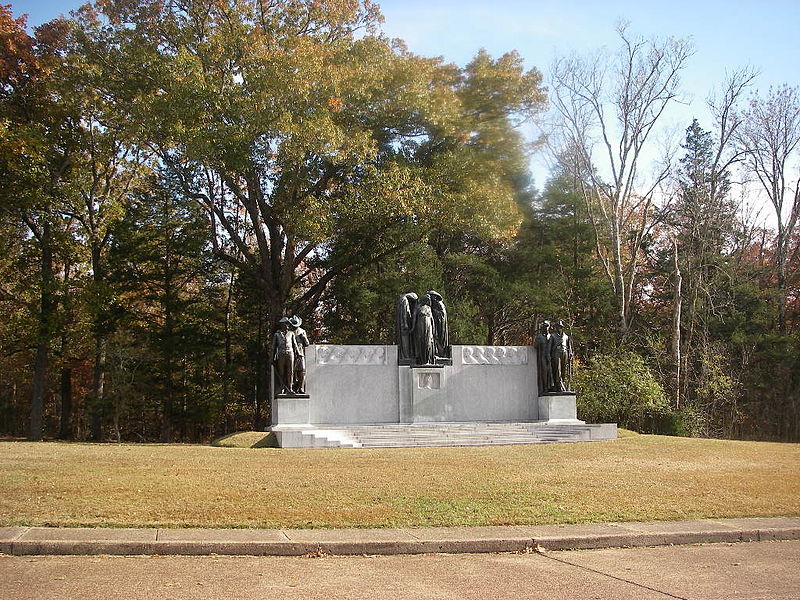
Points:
(743, 571)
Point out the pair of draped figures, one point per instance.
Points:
(422, 334)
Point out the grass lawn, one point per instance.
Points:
(630, 479)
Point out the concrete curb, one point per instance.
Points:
(452, 540)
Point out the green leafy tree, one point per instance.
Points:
(316, 146)
(568, 279)
(163, 269)
(38, 125)
(705, 223)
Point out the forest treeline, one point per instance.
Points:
(175, 177)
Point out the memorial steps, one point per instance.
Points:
(439, 435)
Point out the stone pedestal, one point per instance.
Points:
(291, 410)
(429, 394)
(559, 408)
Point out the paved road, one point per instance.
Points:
(757, 570)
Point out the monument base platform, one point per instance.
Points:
(439, 434)
(360, 397)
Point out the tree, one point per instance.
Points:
(704, 219)
(315, 146)
(569, 280)
(38, 126)
(614, 105)
(770, 137)
(161, 263)
(106, 170)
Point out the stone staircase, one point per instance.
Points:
(440, 434)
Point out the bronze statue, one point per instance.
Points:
(284, 351)
(423, 331)
(405, 316)
(300, 362)
(441, 333)
(544, 369)
(560, 359)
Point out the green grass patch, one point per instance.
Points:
(641, 477)
(626, 433)
(247, 439)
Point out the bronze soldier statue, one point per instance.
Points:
(300, 361)
(544, 369)
(560, 359)
(284, 351)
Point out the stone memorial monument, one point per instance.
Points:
(421, 382)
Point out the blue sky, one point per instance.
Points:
(727, 34)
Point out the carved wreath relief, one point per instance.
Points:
(351, 355)
(494, 355)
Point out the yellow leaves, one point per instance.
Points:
(343, 128)
(464, 137)
(336, 103)
(484, 206)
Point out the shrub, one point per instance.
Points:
(689, 421)
(620, 388)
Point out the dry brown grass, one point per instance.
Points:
(635, 478)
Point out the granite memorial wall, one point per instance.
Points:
(351, 385)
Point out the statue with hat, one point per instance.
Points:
(560, 359)
(544, 369)
(284, 350)
(300, 361)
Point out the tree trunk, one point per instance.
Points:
(168, 402)
(117, 432)
(98, 388)
(228, 374)
(100, 351)
(65, 423)
(780, 269)
(46, 317)
(65, 431)
(490, 330)
(37, 400)
(261, 390)
(676, 327)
